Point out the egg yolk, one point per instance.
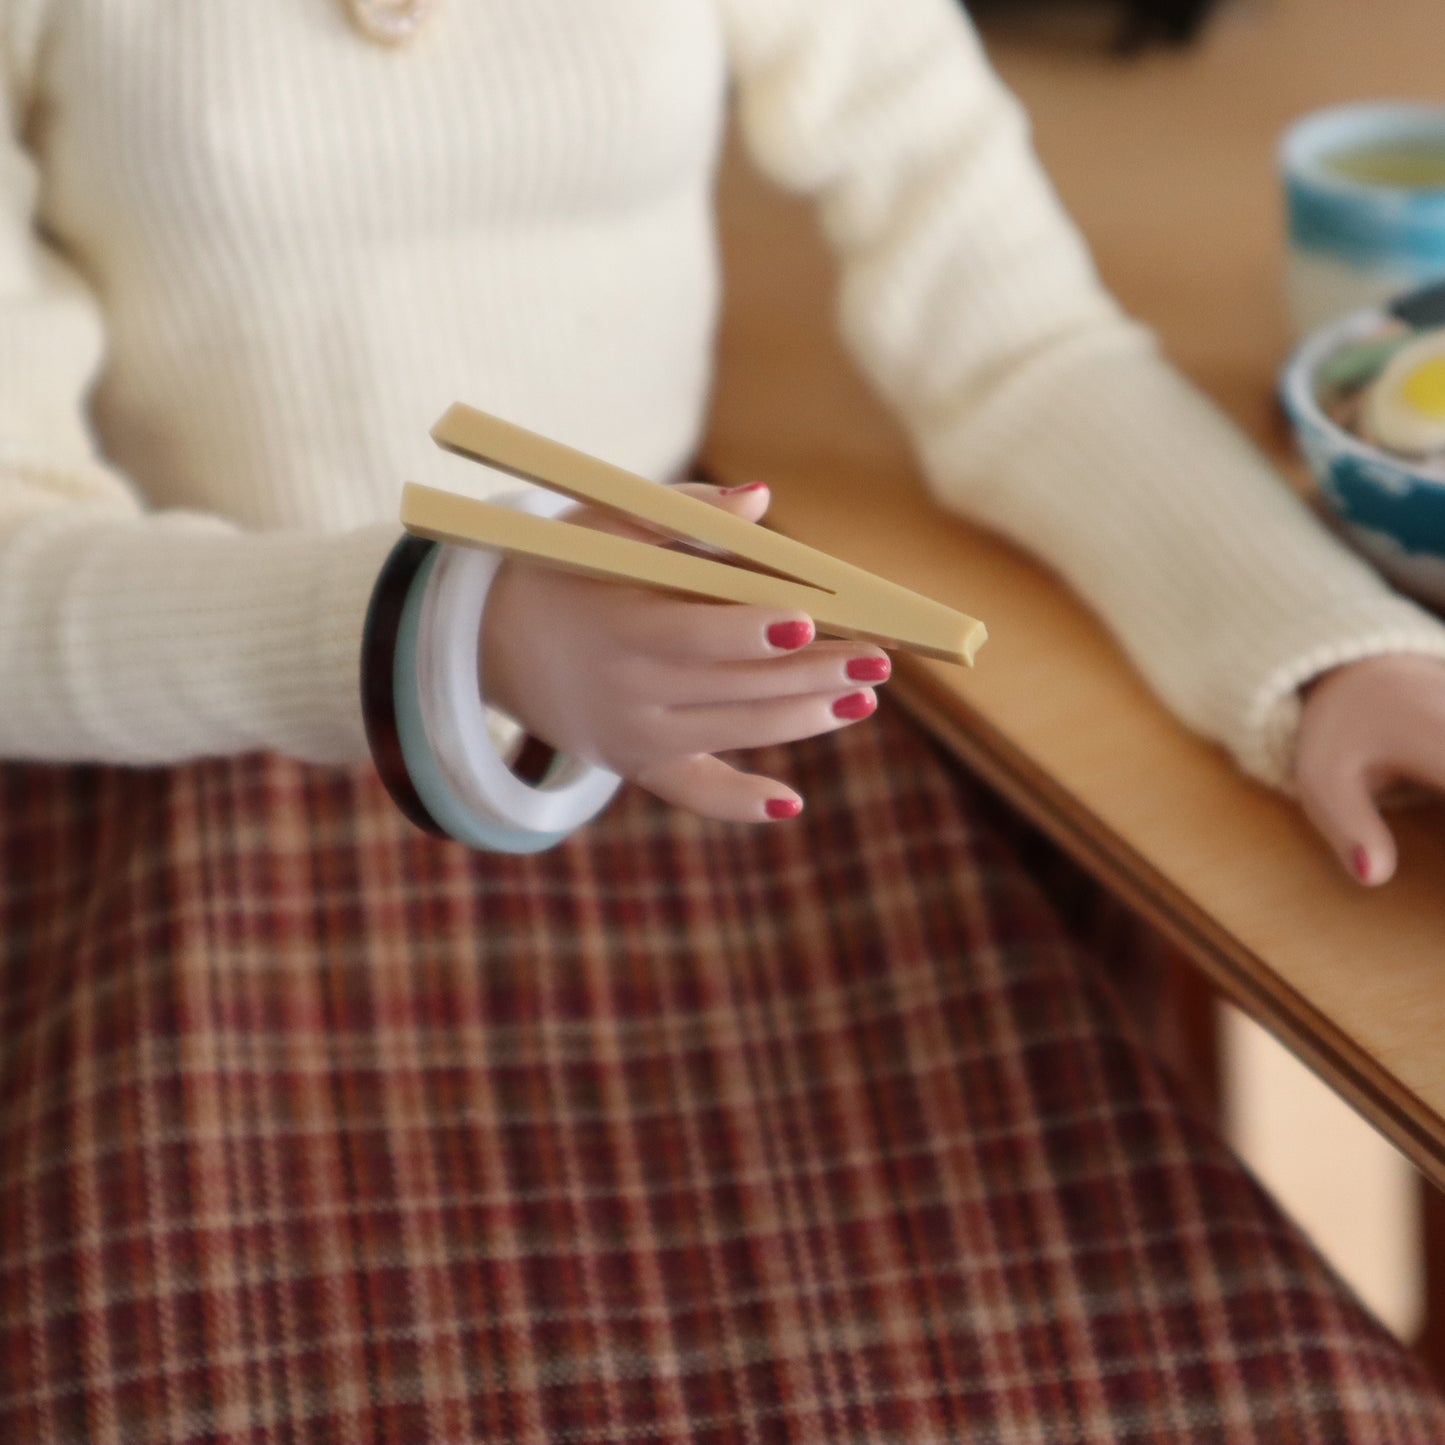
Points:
(1423, 390)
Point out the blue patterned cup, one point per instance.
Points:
(1365, 191)
(1391, 508)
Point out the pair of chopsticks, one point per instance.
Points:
(771, 571)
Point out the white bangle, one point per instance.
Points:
(449, 684)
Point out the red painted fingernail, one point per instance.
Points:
(855, 705)
(869, 669)
(782, 807)
(790, 635)
(1361, 861)
(746, 487)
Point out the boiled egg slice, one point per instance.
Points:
(1404, 407)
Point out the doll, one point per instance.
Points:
(320, 1128)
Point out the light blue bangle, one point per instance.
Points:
(458, 821)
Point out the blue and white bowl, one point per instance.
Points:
(1391, 508)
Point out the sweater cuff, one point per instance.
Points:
(352, 565)
(171, 636)
(1265, 747)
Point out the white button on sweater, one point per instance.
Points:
(248, 258)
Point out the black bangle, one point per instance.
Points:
(378, 655)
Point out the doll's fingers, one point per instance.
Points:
(823, 667)
(651, 625)
(1418, 760)
(728, 726)
(1341, 805)
(713, 788)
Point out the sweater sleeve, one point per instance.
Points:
(1035, 406)
(126, 634)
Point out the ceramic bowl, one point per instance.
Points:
(1391, 508)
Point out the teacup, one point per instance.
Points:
(1365, 190)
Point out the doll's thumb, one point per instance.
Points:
(1342, 808)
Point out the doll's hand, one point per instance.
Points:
(652, 686)
(1367, 726)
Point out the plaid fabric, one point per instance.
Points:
(315, 1129)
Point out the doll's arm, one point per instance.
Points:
(653, 687)
(1035, 405)
(130, 635)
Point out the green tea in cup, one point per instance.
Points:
(1411, 166)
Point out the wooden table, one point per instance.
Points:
(1168, 164)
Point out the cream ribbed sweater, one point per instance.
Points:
(248, 258)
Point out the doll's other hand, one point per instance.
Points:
(652, 686)
(1364, 727)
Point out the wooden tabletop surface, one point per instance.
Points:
(1168, 164)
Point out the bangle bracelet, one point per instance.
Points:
(466, 824)
(449, 684)
(426, 723)
(378, 652)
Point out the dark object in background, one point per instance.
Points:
(1421, 309)
(1174, 22)
(1141, 22)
